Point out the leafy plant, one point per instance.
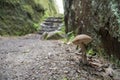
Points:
(64, 78)
(90, 52)
(36, 26)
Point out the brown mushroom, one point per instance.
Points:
(82, 40)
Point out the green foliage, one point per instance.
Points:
(70, 36)
(90, 52)
(36, 26)
(19, 17)
(49, 6)
(28, 8)
(62, 29)
(64, 78)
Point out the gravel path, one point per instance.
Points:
(29, 58)
(26, 58)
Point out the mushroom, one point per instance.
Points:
(82, 40)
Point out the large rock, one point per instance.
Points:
(44, 35)
(54, 35)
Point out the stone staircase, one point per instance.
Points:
(51, 24)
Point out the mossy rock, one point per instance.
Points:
(54, 35)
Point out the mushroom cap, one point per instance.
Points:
(82, 38)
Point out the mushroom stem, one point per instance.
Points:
(84, 57)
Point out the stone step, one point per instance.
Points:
(54, 18)
(50, 24)
(54, 21)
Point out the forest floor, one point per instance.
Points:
(30, 58)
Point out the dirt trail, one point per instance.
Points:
(29, 58)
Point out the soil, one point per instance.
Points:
(30, 58)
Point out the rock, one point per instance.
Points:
(48, 23)
(95, 64)
(54, 35)
(116, 74)
(51, 24)
(66, 72)
(78, 54)
(109, 71)
(50, 55)
(68, 50)
(44, 35)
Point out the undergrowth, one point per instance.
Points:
(92, 51)
(19, 17)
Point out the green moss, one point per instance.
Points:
(49, 7)
(28, 8)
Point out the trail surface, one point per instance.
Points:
(30, 58)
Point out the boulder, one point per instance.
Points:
(54, 35)
(44, 35)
